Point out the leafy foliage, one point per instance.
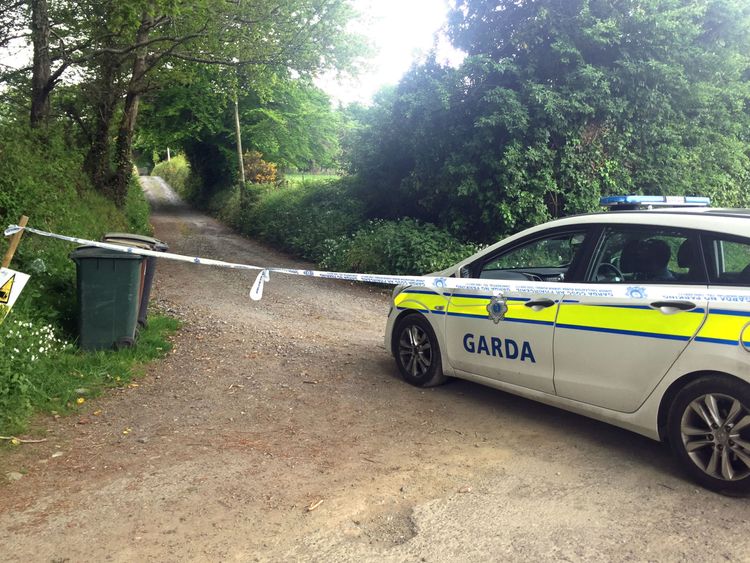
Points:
(41, 176)
(300, 218)
(322, 221)
(395, 247)
(257, 170)
(175, 172)
(195, 58)
(289, 121)
(292, 124)
(557, 103)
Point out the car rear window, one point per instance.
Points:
(645, 254)
(728, 261)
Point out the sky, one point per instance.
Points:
(400, 32)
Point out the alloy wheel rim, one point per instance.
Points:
(715, 430)
(415, 351)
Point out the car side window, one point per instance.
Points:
(728, 261)
(647, 254)
(543, 259)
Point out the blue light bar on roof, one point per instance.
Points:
(651, 201)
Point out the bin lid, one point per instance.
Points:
(93, 252)
(126, 242)
(141, 241)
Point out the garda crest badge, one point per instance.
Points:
(497, 307)
(636, 292)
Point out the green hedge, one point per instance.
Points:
(395, 247)
(42, 177)
(175, 172)
(302, 218)
(323, 221)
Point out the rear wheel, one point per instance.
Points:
(417, 352)
(709, 430)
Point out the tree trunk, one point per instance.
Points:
(97, 162)
(123, 162)
(42, 67)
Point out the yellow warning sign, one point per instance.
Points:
(11, 285)
(5, 290)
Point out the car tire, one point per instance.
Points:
(417, 352)
(709, 432)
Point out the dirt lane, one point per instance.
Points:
(264, 409)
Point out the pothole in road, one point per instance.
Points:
(385, 530)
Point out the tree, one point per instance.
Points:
(559, 102)
(11, 18)
(289, 121)
(284, 116)
(299, 36)
(116, 49)
(293, 125)
(40, 79)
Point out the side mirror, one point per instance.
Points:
(464, 272)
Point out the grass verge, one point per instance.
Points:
(64, 377)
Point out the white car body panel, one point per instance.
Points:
(639, 370)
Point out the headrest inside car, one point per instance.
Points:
(655, 256)
(630, 256)
(687, 255)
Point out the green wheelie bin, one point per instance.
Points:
(149, 243)
(108, 287)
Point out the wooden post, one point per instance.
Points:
(14, 240)
(238, 134)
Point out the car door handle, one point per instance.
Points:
(539, 304)
(670, 307)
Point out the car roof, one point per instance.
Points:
(710, 211)
(722, 220)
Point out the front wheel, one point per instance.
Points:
(709, 431)
(417, 352)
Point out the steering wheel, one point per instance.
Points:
(608, 272)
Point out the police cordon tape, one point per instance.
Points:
(616, 291)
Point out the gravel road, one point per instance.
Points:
(279, 431)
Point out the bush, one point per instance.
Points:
(323, 222)
(225, 205)
(257, 170)
(175, 172)
(395, 247)
(137, 210)
(298, 219)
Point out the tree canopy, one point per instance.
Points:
(287, 119)
(558, 102)
(122, 52)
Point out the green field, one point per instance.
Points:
(299, 178)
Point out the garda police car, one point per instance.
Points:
(676, 370)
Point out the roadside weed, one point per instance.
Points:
(39, 371)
